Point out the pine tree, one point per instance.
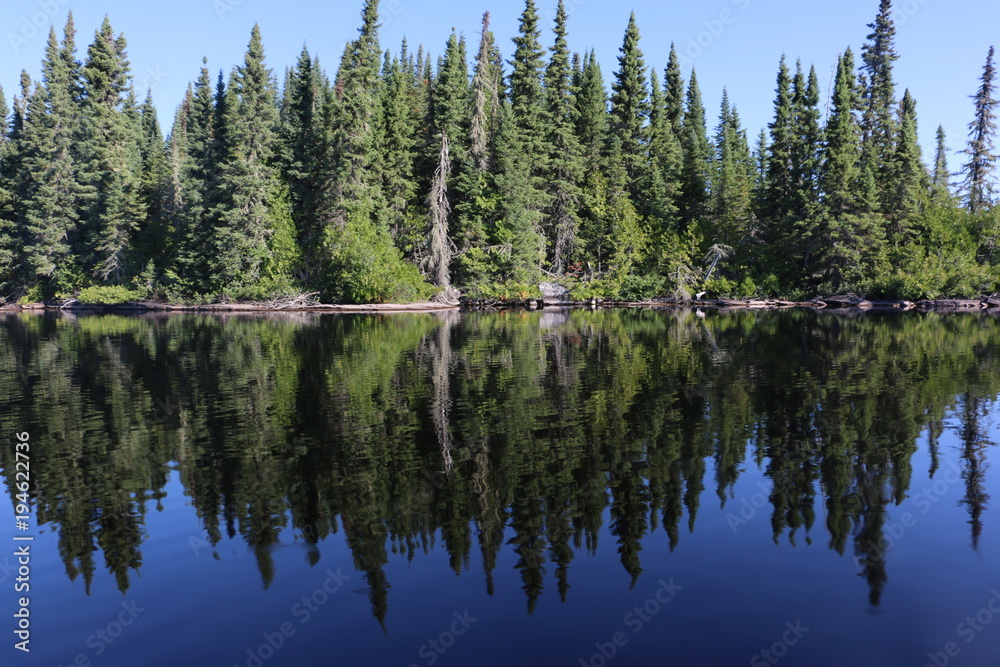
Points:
(879, 123)
(673, 91)
(363, 265)
(51, 191)
(527, 103)
(565, 162)
(592, 112)
(808, 141)
(843, 244)
(400, 137)
(253, 240)
(111, 209)
(732, 182)
(910, 185)
(697, 156)
(630, 110)
(592, 133)
(978, 185)
(302, 143)
(780, 200)
(625, 237)
(941, 180)
(8, 228)
(154, 185)
(662, 177)
(193, 157)
(518, 237)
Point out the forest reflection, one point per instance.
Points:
(485, 432)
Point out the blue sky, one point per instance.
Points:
(731, 43)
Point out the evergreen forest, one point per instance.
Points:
(405, 175)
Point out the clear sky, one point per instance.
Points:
(732, 43)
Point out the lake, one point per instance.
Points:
(621, 487)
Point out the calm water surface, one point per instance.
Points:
(559, 488)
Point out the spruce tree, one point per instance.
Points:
(662, 176)
(978, 185)
(673, 91)
(808, 141)
(400, 137)
(517, 236)
(154, 185)
(941, 179)
(780, 200)
(697, 156)
(732, 180)
(14, 195)
(909, 186)
(843, 244)
(592, 132)
(8, 228)
(51, 190)
(527, 105)
(592, 112)
(253, 240)
(630, 110)
(111, 209)
(879, 123)
(302, 143)
(193, 153)
(362, 263)
(565, 162)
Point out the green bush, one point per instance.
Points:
(106, 296)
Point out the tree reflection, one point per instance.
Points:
(488, 432)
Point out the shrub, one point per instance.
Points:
(106, 295)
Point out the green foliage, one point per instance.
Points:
(108, 295)
(342, 185)
(364, 267)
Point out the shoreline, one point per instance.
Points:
(832, 304)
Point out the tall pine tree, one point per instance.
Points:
(978, 184)
(52, 190)
(630, 110)
(253, 239)
(565, 160)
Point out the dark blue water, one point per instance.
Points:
(585, 488)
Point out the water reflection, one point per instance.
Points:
(518, 431)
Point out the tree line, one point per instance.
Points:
(405, 175)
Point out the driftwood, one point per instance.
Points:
(845, 301)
